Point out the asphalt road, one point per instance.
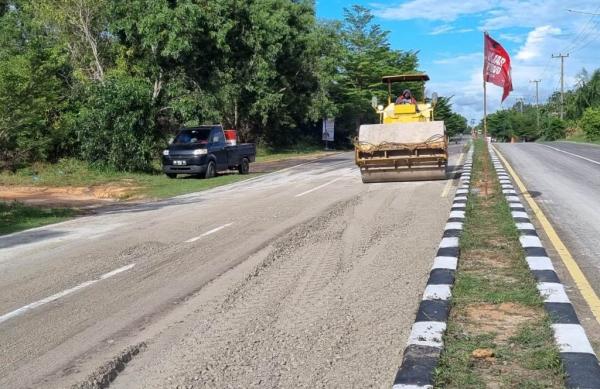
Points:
(305, 277)
(564, 179)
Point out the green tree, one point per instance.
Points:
(80, 26)
(366, 59)
(454, 122)
(554, 128)
(590, 122)
(115, 126)
(34, 78)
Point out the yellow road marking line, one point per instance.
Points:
(449, 183)
(581, 281)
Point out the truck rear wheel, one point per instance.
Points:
(171, 175)
(244, 167)
(211, 170)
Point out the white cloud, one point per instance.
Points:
(495, 15)
(511, 38)
(539, 28)
(448, 29)
(459, 59)
(431, 9)
(444, 28)
(536, 42)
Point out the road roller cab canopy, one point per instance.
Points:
(416, 77)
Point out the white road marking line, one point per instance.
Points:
(318, 187)
(449, 183)
(445, 263)
(571, 338)
(453, 226)
(407, 386)
(574, 155)
(437, 292)
(525, 226)
(458, 214)
(539, 263)
(54, 297)
(116, 271)
(427, 333)
(530, 241)
(449, 242)
(553, 292)
(208, 233)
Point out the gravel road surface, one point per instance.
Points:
(301, 278)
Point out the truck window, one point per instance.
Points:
(218, 137)
(192, 136)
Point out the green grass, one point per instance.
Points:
(471, 288)
(492, 271)
(17, 217)
(580, 138)
(536, 340)
(74, 173)
(67, 172)
(159, 186)
(455, 367)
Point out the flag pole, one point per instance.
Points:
(484, 91)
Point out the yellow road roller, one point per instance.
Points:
(408, 144)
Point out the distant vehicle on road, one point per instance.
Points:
(205, 151)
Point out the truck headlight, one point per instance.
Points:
(200, 151)
(165, 152)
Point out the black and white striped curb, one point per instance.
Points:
(580, 361)
(424, 347)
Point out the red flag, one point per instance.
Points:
(496, 67)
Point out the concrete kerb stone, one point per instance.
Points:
(580, 362)
(425, 343)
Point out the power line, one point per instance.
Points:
(583, 12)
(590, 39)
(581, 34)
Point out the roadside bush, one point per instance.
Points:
(30, 105)
(590, 122)
(116, 126)
(554, 129)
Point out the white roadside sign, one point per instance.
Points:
(328, 129)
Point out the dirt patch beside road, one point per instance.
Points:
(66, 196)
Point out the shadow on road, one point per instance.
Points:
(28, 237)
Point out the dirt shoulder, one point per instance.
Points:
(133, 190)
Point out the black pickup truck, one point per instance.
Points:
(203, 151)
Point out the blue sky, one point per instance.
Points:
(449, 38)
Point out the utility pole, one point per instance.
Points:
(562, 82)
(537, 101)
(521, 100)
